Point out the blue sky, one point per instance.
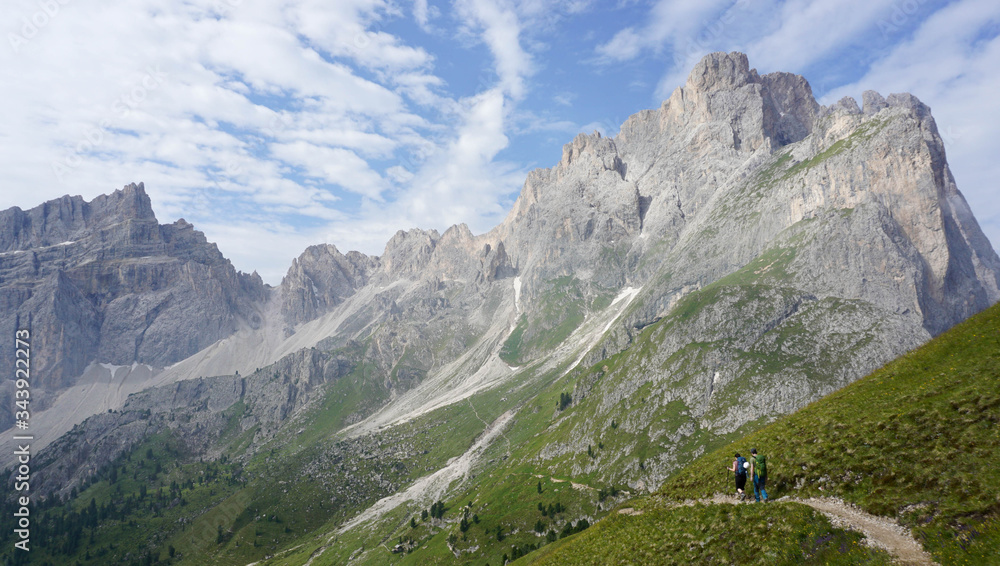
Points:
(272, 126)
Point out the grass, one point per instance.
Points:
(562, 310)
(510, 352)
(860, 135)
(711, 534)
(918, 440)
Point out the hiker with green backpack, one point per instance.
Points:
(758, 470)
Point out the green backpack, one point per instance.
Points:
(761, 465)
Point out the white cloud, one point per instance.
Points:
(244, 96)
(273, 126)
(420, 14)
(501, 31)
(336, 166)
(626, 45)
(803, 35)
(423, 13)
(462, 182)
(952, 63)
(670, 23)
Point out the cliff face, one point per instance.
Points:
(730, 161)
(103, 281)
(769, 238)
(320, 279)
(728, 257)
(726, 169)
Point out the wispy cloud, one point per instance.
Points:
(280, 112)
(272, 126)
(952, 63)
(500, 28)
(670, 24)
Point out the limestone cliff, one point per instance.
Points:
(103, 281)
(739, 246)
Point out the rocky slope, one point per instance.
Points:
(103, 281)
(726, 258)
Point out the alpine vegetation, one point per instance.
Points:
(726, 259)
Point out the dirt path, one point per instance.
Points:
(882, 531)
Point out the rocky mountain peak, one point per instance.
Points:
(458, 234)
(731, 104)
(130, 202)
(319, 279)
(873, 102)
(594, 153)
(106, 283)
(70, 218)
(721, 71)
(408, 251)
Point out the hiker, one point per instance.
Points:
(758, 469)
(740, 470)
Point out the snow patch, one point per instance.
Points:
(113, 369)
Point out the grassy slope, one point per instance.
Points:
(712, 534)
(917, 440)
(546, 443)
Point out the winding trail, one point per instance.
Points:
(881, 532)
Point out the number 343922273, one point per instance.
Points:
(22, 364)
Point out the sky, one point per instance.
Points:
(272, 126)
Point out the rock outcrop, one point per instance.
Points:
(103, 281)
(320, 279)
(770, 240)
(195, 413)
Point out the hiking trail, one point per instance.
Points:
(881, 532)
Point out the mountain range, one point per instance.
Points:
(725, 259)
